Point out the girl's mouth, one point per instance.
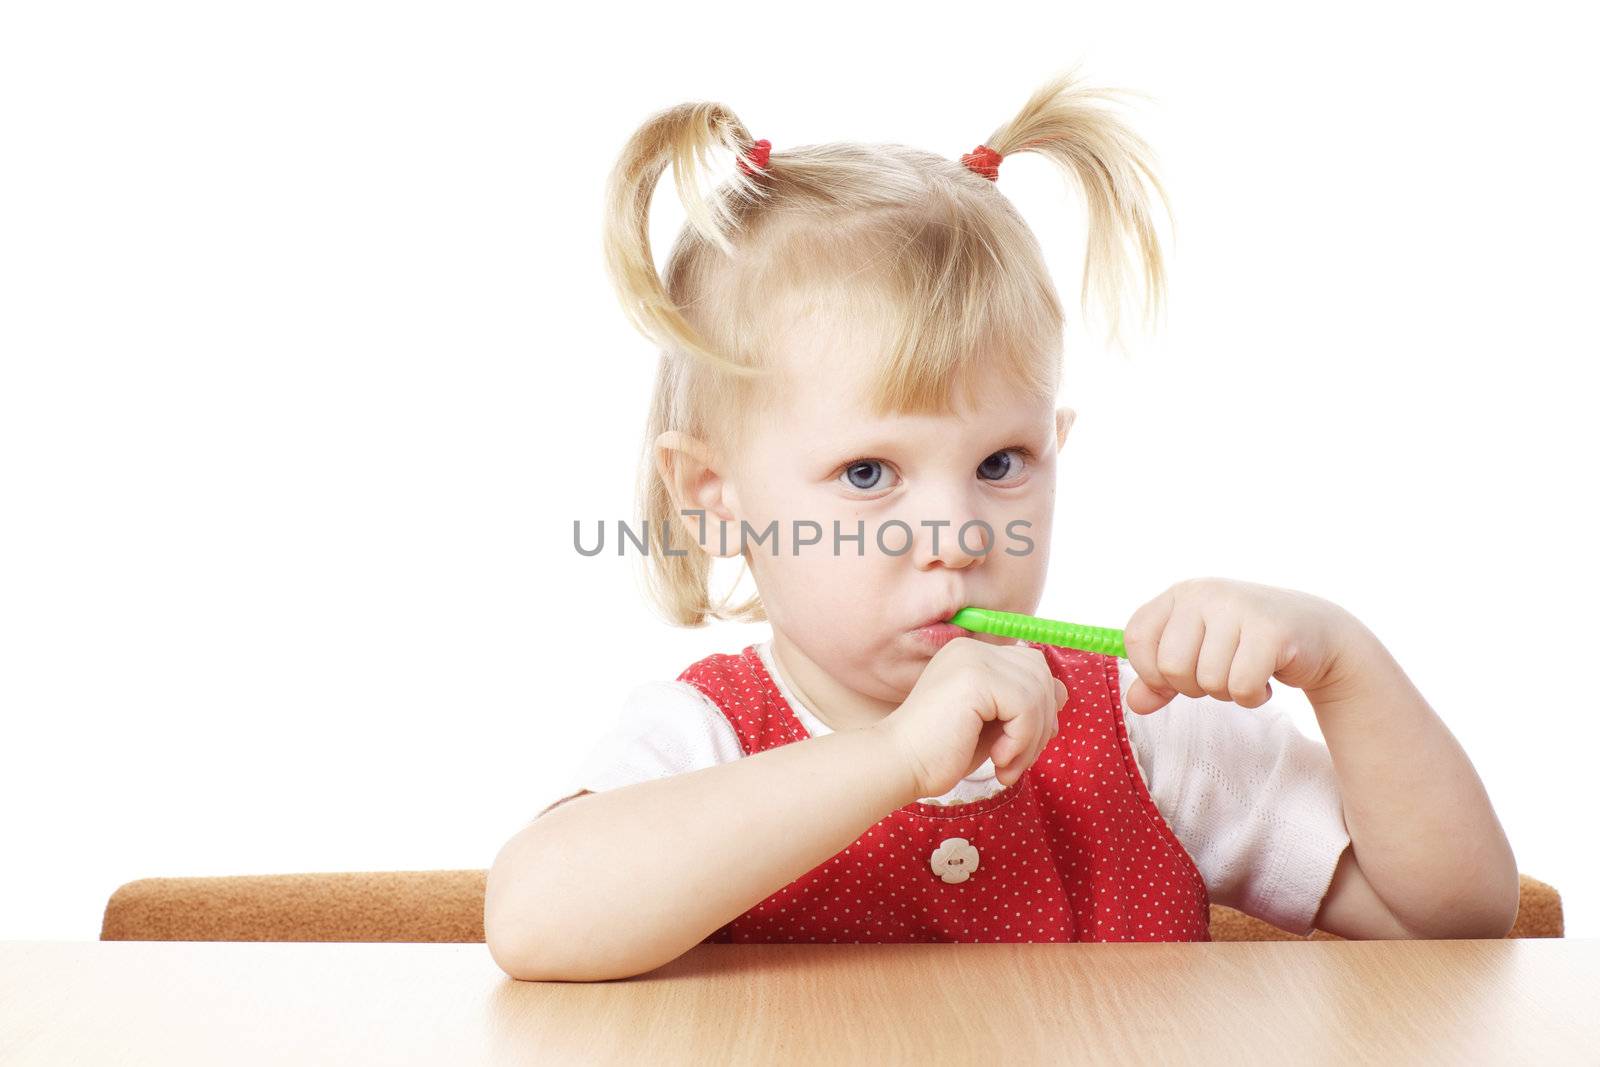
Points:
(936, 635)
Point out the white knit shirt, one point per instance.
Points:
(1254, 801)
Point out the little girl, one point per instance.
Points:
(856, 397)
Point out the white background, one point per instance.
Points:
(308, 362)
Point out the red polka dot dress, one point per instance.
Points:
(1074, 850)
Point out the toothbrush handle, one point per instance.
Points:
(1101, 639)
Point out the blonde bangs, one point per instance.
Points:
(942, 295)
(962, 295)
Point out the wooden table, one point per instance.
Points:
(179, 1002)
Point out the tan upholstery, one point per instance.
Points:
(378, 906)
(448, 906)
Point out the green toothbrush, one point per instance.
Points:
(1099, 639)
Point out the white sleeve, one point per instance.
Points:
(664, 728)
(1254, 801)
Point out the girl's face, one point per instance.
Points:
(845, 618)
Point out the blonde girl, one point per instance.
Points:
(860, 353)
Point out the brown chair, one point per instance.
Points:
(448, 906)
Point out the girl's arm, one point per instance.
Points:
(616, 883)
(1428, 857)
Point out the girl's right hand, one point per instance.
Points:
(976, 701)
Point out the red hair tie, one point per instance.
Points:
(759, 152)
(983, 160)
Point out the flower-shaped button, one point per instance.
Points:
(954, 860)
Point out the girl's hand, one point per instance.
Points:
(976, 701)
(1226, 639)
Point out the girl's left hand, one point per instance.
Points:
(1227, 639)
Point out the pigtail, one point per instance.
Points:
(678, 581)
(685, 137)
(1108, 159)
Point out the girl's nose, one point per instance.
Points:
(955, 543)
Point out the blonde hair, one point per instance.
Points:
(913, 242)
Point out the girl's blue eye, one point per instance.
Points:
(864, 474)
(1000, 465)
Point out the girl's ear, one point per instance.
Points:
(697, 482)
(1064, 420)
